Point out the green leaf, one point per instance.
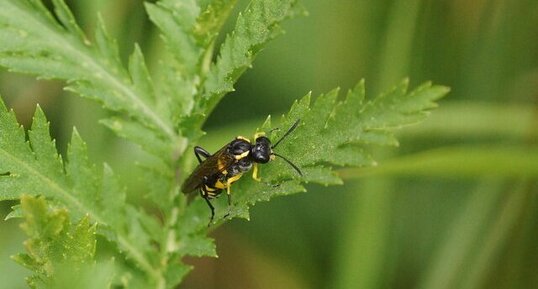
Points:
(163, 112)
(176, 273)
(140, 76)
(106, 45)
(34, 168)
(95, 276)
(54, 242)
(257, 25)
(67, 19)
(188, 29)
(332, 133)
(146, 138)
(176, 20)
(211, 20)
(16, 212)
(34, 42)
(340, 133)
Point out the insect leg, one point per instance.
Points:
(255, 173)
(228, 191)
(199, 151)
(229, 182)
(229, 194)
(206, 198)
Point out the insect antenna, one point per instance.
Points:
(286, 134)
(290, 163)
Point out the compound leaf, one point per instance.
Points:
(163, 113)
(34, 42)
(34, 168)
(54, 243)
(256, 26)
(332, 133)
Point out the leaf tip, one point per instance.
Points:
(444, 89)
(38, 114)
(267, 123)
(76, 139)
(404, 85)
(75, 132)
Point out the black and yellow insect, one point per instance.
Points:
(218, 171)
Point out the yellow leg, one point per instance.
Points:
(228, 191)
(228, 185)
(255, 173)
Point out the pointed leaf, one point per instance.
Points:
(140, 75)
(53, 241)
(331, 133)
(34, 168)
(254, 28)
(67, 19)
(34, 42)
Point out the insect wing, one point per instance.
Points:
(214, 164)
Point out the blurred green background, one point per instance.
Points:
(455, 206)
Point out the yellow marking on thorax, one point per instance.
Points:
(243, 138)
(238, 157)
(258, 134)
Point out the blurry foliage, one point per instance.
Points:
(454, 207)
(55, 245)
